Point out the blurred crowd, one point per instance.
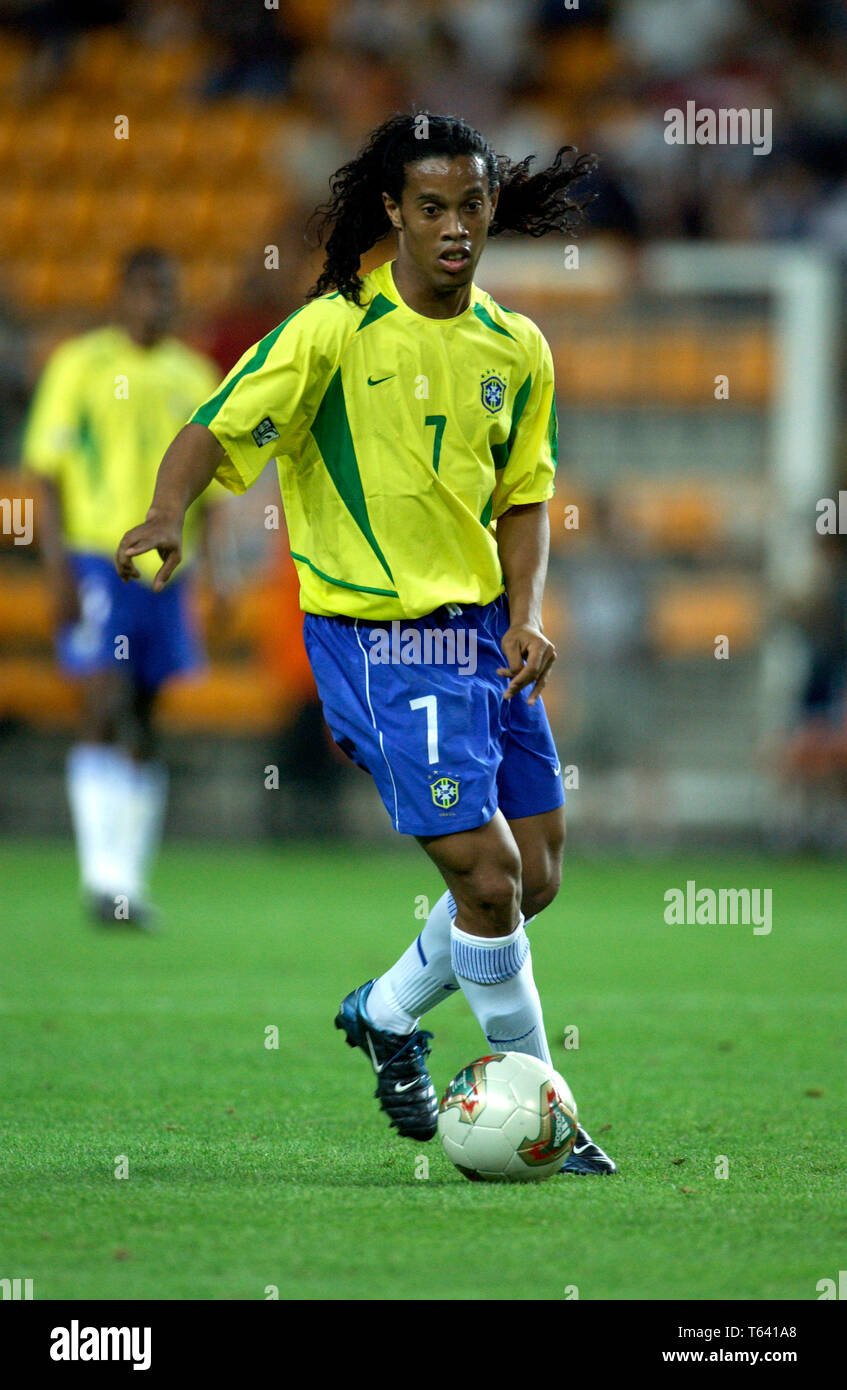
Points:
(532, 73)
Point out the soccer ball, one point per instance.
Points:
(507, 1118)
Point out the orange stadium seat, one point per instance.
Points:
(234, 694)
(39, 143)
(34, 691)
(233, 131)
(639, 363)
(231, 698)
(130, 211)
(161, 147)
(25, 615)
(104, 64)
(19, 211)
(247, 220)
(671, 515)
(95, 155)
(65, 225)
(209, 281)
(181, 219)
(236, 698)
(35, 282)
(166, 74)
(228, 697)
(44, 282)
(688, 616)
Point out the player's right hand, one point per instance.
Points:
(156, 533)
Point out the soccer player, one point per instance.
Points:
(108, 403)
(414, 425)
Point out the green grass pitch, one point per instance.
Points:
(252, 1168)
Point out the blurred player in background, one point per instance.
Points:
(414, 424)
(106, 407)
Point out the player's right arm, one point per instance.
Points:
(187, 469)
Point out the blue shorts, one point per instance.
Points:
(418, 704)
(161, 640)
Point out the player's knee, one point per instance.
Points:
(489, 901)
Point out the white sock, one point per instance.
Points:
(420, 979)
(142, 823)
(99, 782)
(495, 974)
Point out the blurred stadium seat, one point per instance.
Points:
(687, 617)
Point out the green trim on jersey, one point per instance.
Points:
(89, 449)
(485, 519)
(331, 433)
(378, 306)
(500, 452)
(553, 433)
(342, 583)
(206, 414)
(484, 317)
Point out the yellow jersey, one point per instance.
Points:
(399, 441)
(103, 414)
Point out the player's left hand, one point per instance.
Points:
(530, 655)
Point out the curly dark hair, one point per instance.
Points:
(354, 218)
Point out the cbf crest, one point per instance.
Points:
(445, 792)
(493, 392)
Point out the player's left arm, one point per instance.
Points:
(523, 541)
(523, 528)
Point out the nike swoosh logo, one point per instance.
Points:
(376, 1066)
(581, 1149)
(371, 381)
(405, 1085)
(557, 769)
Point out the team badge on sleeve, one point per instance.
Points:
(493, 391)
(445, 792)
(265, 432)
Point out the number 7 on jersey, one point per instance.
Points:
(430, 704)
